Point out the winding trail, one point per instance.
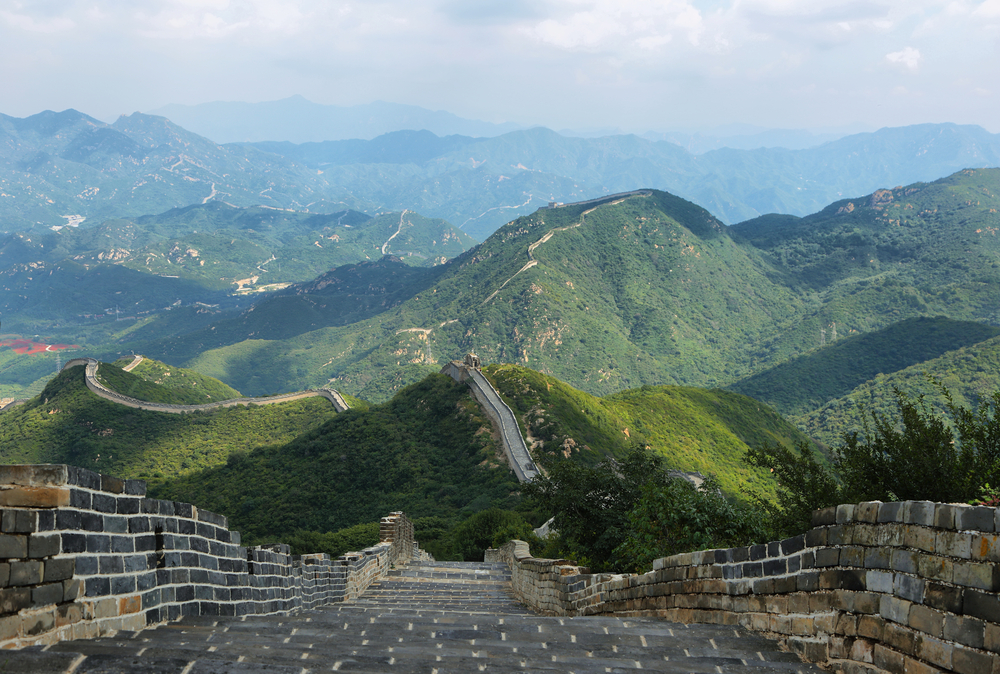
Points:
(104, 392)
(385, 246)
(617, 199)
(131, 366)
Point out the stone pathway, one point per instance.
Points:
(435, 617)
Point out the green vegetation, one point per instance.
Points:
(67, 423)
(808, 381)
(912, 455)
(428, 452)
(707, 431)
(157, 382)
(971, 373)
(621, 515)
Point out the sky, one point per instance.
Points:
(653, 65)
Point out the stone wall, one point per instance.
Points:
(84, 554)
(90, 373)
(500, 414)
(873, 587)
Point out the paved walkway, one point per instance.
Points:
(431, 618)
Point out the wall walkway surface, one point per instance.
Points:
(500, 414)
(874, 587)
(103, 391)
(84, 554)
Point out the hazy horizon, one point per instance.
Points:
(633, 65)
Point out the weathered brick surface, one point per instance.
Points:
(82, 554)
(890, 587)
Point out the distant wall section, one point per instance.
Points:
(499, 413)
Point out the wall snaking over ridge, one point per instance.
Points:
(872, 588)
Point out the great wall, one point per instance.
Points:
(94, 577)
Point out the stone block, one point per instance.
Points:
(852, 555)
(59, 569)
(827, 557)
(919, 512)
(112, 485)
(824, 516)
(878, 558)
(25, 573)
(867, 511)
(39, 623)
(944, 515)
(891, 512)
(43, 595)
(933, 567)
(840, 535)
(943, 597)
(973, 574)
(879, 581)
(991, 638)
(935, 651)
(871, 626)
(981, 605)
(845, 513)
(816, 538)
(33, 475)
(888, 660)
(953, 544)
(968, 661)
(907, 587)
(922, 538)
(926, 620)
(13, 547)
(965, 630)
(904, 561)
(19, 521)
(14, 599)
(900, 638)
(975, 518)
(34, 497)
(43, 546)
(894, 609)
(793, 545)
(985, 547)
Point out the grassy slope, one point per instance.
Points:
(695, 429)
(809, 381)
(972, 374)
(69, 424)
(428, 451)
(158, 382)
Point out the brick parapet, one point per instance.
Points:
(872, 587)
(84, 554)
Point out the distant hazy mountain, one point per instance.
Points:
(298, 120)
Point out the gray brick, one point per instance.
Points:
(14, 599)
(25, 573)
(967, 661)
(910, 588)
(827, 557)
(13, 547)
(894, 609)
(43, 546)
(19, 521)
(59, 569)
(824, 516)
(44, 595)
(891, 512)
(943, 597)
(975, 518)
(944, 516)
(964, 630)
(845, 513)
(904, 561)
(878, 558)
(919, 512)
(879, 581)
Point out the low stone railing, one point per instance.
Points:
(873, 587)
(84, 554)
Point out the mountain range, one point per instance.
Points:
(63, 169)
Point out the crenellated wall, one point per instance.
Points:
(82, 554)
(873, 587)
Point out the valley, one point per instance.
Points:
(628, 319)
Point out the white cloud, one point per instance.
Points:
(907, 57)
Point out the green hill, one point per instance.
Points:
(635, 291)
(701, 430)
(157, 382)
(807, 382)
(67, 423)
(430, 451)
(971, 373)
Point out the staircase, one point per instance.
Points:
(428, 617)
